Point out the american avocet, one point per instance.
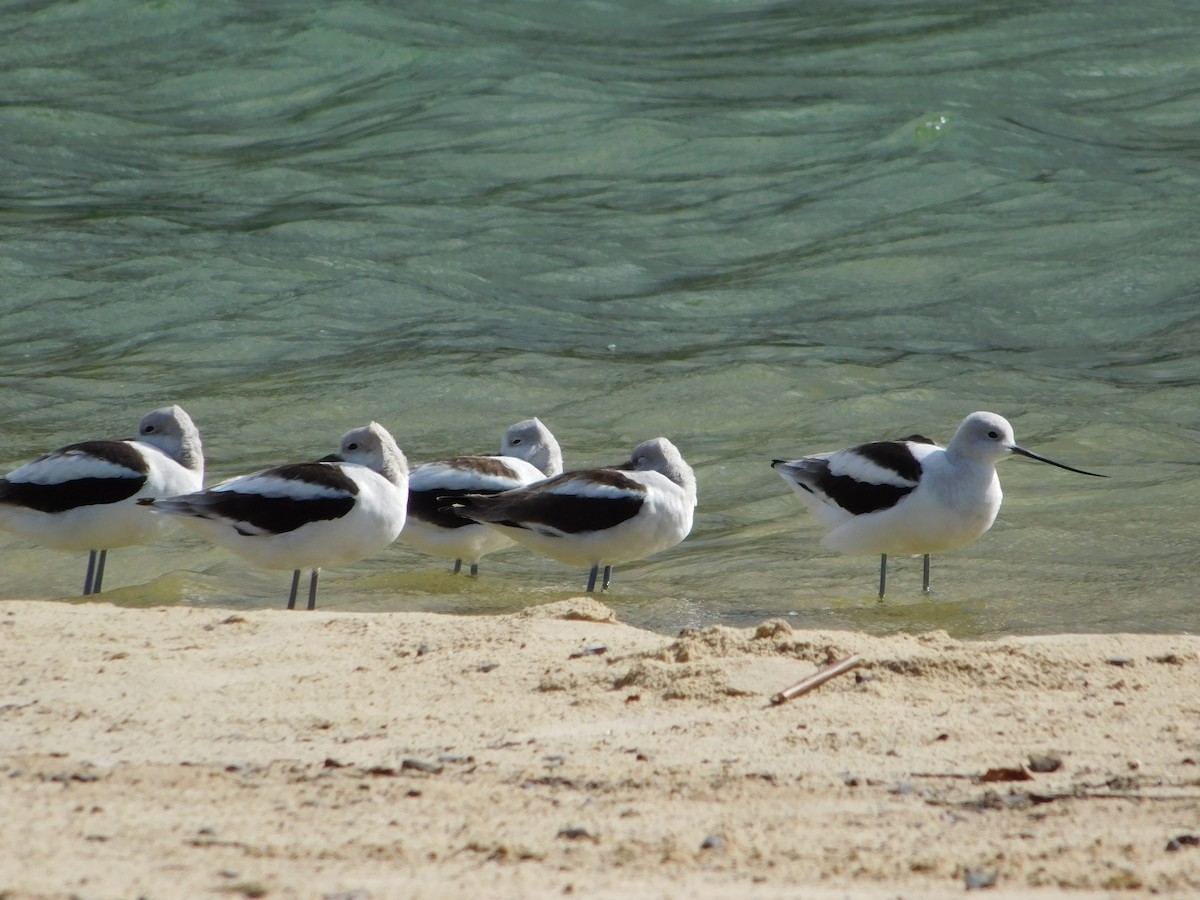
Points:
(84, 496)
(528, 453)
(909, 496)
(332, 512)
(597, 517)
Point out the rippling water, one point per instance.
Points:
(761, 230)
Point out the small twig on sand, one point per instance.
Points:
(816, 679)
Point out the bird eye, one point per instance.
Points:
(993, 435)
(148, 429)
(353, 445)
(516, 441)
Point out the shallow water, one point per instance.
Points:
(761, 230)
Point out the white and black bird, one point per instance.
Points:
(85, 496)
(909, 496)
(335, 511)
(597, 517)
(529, 453)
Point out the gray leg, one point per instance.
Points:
(882, 575)
(607, 577)
(91, 571)
(100, 560)
(592, 578)
(474, 570)
(312, 589)
(295, 587)
(457, 567)
(925, 579)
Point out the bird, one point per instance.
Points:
(529, 453)
(597, 517)
(909, 496)
(335, 511)
(85, 496)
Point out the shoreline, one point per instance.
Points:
(187, 751)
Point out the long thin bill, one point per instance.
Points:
(1023, 452)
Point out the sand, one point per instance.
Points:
(187, 752)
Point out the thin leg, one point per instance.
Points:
(295, 587)
(882, 575)
(312, 589)
(457, 567)
(925, 579)
(100, 560)
(474, 570)
(607, 577)
(592, 578)
(91, 571)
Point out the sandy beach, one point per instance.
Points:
(186, 752)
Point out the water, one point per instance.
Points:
(762, 230)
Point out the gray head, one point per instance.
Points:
(660, 455)
(173, 432)
(372, 446)
(988, 438)
(532, 441)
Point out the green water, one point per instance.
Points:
(761, 230)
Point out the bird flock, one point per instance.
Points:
(909, 496)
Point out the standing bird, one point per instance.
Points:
(332, 512)
(528, 453)
(597, 517)
(85, 496)
(909, 496)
